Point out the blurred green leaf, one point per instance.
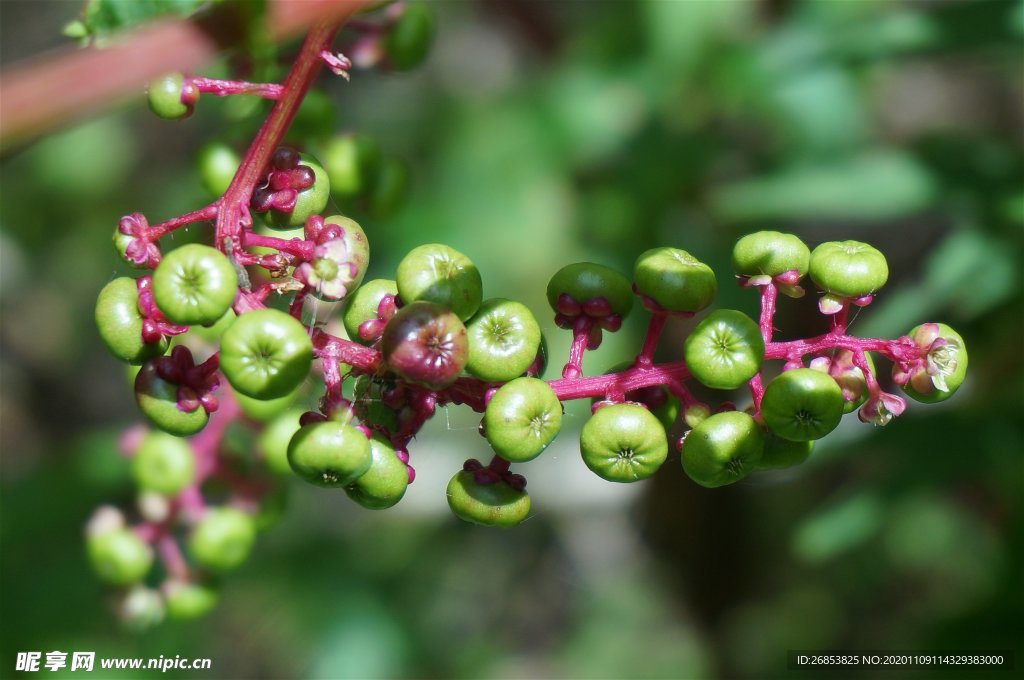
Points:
(876, 185)
(104, 17)
(838, 528)
(822, 109)
(969, 271)
(972, 271)
(679, 32)
(903, 31)
(91, 158)
(363, 641)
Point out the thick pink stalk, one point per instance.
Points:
(769, 294)
(654, 330)
(580, 338)
(756, 391)
(297, 247)
(365, 359)
(625, 381)
(794, 349)
(234, 206)
(837, 322)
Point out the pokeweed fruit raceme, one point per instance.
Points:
(221, 337)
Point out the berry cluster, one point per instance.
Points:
(428, 338)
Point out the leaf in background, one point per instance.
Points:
(898, 32)
(680, 32)
(973, 271)
(877, 185)
(836, 529)
(821, 109)
(596, 115)
(969, 271)
(102, 18)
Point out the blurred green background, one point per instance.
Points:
(539, 134)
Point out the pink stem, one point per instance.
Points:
(190, 501)
(626, 381)
(580, 338)
(332, 376)
(861, 362)
(235, 211)
(158, 231)
(837, 322)
(206, 444)
(170, 555)
(295, 308)
(680, 392)
(654, 330)
(769, 293)
(248, 301)
(365, 359)
(297, 247)
(149, 531)
(892, 349)
(223, 88)
(756, 391)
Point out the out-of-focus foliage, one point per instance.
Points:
(535, 135)
(102, 18)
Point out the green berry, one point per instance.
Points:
(390, 188)
(361, 306)
(273, 441)
(266, 354)
(222, 539)
(310, 201)
(186, 600)
(849, 269)
(725, 350)
(386, 480)
(945, 364)
(329, 454)
(194, 284)
(503, 340)
(119, 556)
(164, 464)
(494, 505)
(158, 401)
(802, 405)
(440, 274)
(584, 281)
(409, 39)
(338, 266)
(623, 443)
(218, 164)
(782, 453)
(140, 609)
(722, 449)
(121, 243)
(265, 409)
(120, 323)
(352, 163)
(164, 96)
(770, 253)
(522, 418)
(674, 279)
